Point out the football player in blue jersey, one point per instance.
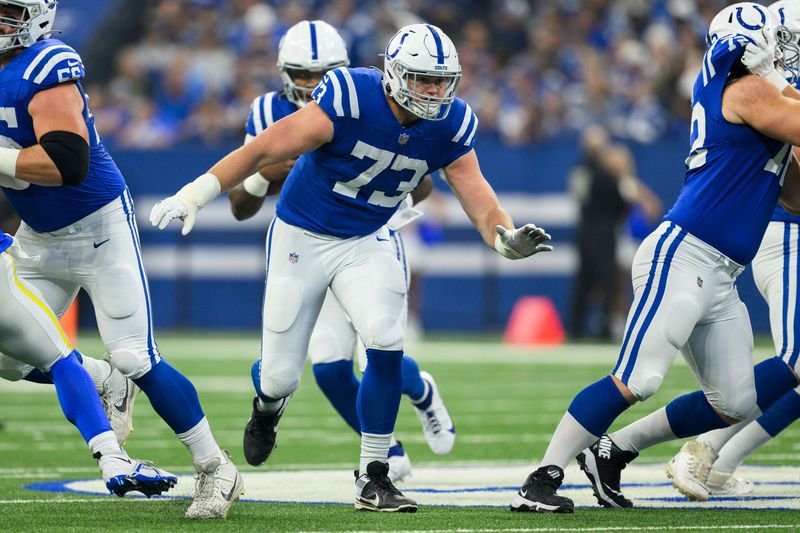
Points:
(79, 231)
(367, 140)
(30, 333)
(740, 166)
(307, 51)
(706, 466)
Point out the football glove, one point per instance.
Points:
(521, 242)
(185, 204)
(759, 58)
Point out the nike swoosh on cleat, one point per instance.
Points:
(99, 244)
(121, 407)
(382, 240)
(228, 497)
(374, 500)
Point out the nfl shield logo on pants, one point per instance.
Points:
(293, 257)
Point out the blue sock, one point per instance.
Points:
(380, 390)
(78, 397)
(172, 396)
(37, 376)
(597, 406)
(339, 384)
(413, 386)
(691, 415)
(773, 379)
(782, 413)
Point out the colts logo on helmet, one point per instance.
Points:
(399, 46)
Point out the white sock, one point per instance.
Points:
(740, 446)
(719, 437)
(98, 370)
(645, 432)
(373, 448)
(106, 444)
(201, 444)
(271, 407)
(569, 440)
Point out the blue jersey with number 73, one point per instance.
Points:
(353, 184)
(734, 173)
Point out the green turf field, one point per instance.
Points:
(505, 404)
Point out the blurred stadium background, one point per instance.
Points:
(171, 81)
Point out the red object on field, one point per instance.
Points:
(534, 320)
(69, 322)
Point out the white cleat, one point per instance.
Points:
(217, 486)
(119, 394)
(399, 464)
(436, 422)
(689, 470)
(725, 484)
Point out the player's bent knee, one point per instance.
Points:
(287, 292)
(279, 384)
(115, 288)
(132, 365)
(384, 332)
(643, 387)
(740, 405)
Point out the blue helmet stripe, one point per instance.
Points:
(313, 41)
(438, 41)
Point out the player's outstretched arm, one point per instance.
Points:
(288, 138)
(62, 155)
(481, 205)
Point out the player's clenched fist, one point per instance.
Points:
(521, 242)
(185, 204)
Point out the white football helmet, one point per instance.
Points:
(34, 23)
(309, 49)
(744, 18)
(788, 14)
(421, 52)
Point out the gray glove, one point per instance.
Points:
(521, 242)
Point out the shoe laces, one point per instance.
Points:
(433, 422)
(385, 483)
(699, 469)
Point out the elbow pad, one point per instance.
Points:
(69, 152)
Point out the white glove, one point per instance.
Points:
(521, 242)
(759, 58)
(13, 183)
(185, 204)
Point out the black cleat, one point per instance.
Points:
(603, 462)
(538, 493)
(375, 491)
(260, 434)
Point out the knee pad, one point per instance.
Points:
(286, 293)
(132, 365)
(739, 405)
(384, 332)
(278, 383)
(644, 387)
(118, 291)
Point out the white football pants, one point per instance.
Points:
(30, 334)
(685, 299)
(364, 277)
(334, 338)
(99, 253)
(777, 276)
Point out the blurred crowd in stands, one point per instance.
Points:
(533, 69)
